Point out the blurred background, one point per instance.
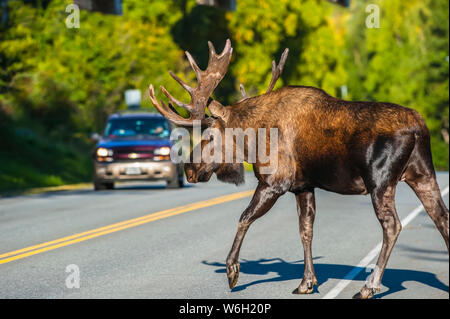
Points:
(59, 84)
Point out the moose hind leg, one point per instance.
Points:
(306, 209)
(421, 177)
(384, 205)
(427, 190)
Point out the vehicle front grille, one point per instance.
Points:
(133, 153)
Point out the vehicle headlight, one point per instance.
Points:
(162, 151)
(103, 152)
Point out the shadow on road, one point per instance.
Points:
(417, 253)
(393, 278)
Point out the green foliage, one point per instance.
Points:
(29, 161)
(61, 83)
(262, 29)
(90, 66)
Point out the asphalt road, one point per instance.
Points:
(180, 253)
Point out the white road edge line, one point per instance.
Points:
(333, 293)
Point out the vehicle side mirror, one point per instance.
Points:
(95, 137)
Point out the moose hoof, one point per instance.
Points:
(306, 287)
(365, 293)
(232, 274)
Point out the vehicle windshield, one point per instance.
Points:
(137, 127)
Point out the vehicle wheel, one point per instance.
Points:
(98, 186)
(177, 182)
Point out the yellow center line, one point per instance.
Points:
(76, 238)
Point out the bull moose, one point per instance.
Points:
(324, 142)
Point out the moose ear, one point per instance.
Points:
(219, 111)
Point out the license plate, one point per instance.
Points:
(133, 171)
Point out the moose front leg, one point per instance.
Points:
(263, 199)
(306, 208)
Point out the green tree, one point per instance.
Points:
(263, 29)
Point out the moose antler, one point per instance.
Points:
(244, 94)
(277, 70)
(207, 81)
(276, 73)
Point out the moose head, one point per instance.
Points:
(223, 117)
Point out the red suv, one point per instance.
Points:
(135, 147)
